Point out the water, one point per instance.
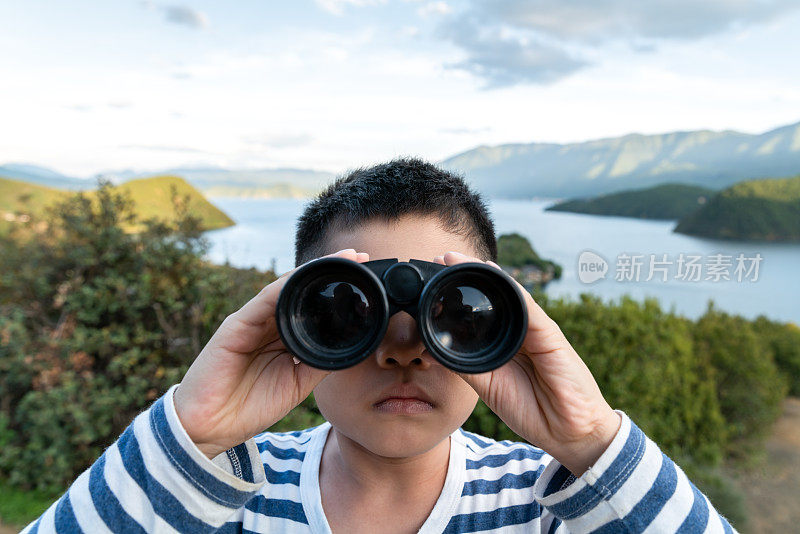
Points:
(265, 231)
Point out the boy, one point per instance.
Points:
(391, 456)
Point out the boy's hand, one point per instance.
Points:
(545, 393)
(245, 379)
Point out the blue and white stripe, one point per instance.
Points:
(154, 479)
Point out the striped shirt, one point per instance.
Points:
(155, 479)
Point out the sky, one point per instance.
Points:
(94, 86)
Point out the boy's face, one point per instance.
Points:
(347, 398)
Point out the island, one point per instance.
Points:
(753, 210)
(516, 256)
(666, 201)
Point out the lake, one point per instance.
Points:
(264, 233)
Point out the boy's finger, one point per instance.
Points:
(454, 258)
(348, 253)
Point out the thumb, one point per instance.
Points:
(479, 382)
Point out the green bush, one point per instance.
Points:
(749, 387)
(645, 364)
(96, 323)
(784, 341)
(304, 415)
(483, 421)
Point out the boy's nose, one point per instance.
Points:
(402, 345)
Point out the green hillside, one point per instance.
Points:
(21, 199)
(667, 201)
(757, 210)
(152, 197)
(14, 194)
(515, 251)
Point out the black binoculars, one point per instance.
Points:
(332, 313)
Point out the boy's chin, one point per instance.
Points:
(400, 437)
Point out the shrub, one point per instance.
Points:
(645, 364)
(96, 323)
(784, 341)
(749, 387)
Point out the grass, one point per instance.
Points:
(152, 197)
(20, 507)
(15, 195)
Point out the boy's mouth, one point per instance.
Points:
(405, 398)
(406, 406)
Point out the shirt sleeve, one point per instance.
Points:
(155, 479)
(633, 486)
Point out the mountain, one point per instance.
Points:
(666, 201)
(241, 182)
(706, 158)
(281, 190)
(215, 181)
(754, 210)
(712, 159)
(35, 174)
(151, 196)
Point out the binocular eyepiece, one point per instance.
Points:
(333, 313)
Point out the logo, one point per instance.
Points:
(591, 267)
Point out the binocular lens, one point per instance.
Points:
(335, 314)
(464, 319)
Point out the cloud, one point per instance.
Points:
(465, 130)
(114, 104)
(541, 41)
(120, 104)
(409, 31)
(185, 16)
(601, 20)
(434, 8)
(288, 140)
(337, 6)
(165, 148)
(83, 108)
(503, 57)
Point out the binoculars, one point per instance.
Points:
(332, 313)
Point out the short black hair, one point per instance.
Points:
(389, 190)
